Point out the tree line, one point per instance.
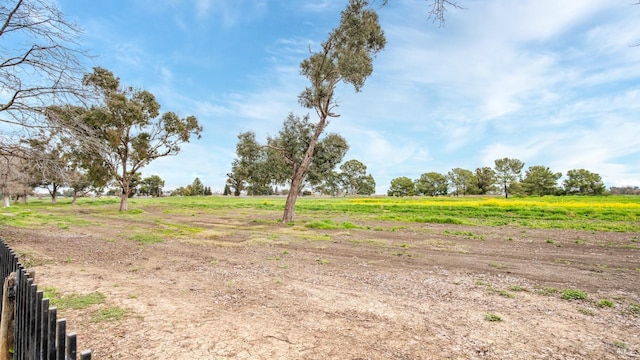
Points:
(506, 177)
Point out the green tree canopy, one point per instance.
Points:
(485, 180)
(355, 178)
(462, 180)
(130, 131)
(583, 182)
(540, 180)
(401, 186)
(432, 184)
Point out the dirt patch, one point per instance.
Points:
(247, 289)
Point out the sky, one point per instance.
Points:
(550, 82)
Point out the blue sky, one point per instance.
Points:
(550, 82)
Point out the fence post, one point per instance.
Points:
(7, 317)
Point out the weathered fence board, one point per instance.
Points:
(38, 334)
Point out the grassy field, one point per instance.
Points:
(606, 213)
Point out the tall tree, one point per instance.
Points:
(583, 182)
(508, 172)
(131, 131)
(40, 61)
(346, 56)
(540, 180)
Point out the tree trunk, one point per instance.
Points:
(124, 199)
(6, 200)
(289, 206)
(296, 181)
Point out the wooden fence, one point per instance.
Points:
(37, 333)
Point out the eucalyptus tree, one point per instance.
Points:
(508, 172)
(355, 178)
(287, 154)
(130, 131)
(346, 56)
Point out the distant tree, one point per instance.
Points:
(355, 179)
(540, 180)
(48, 163)
(432, 184)
(153, 184)
(13, 176)
(461, 180)
(331, 185)
(250, 169)
(345, 57)
(508, 173)
(401, 186)
(367, 185)
(583, 182)
(485, 180)
(227, 190)
(130, 130)
(197, 188)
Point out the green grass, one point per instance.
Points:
(492, 317)
(606, 303)
(587, 213)
(146, 238)
(110, 314)
(72, 301)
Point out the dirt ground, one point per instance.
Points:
(247, 289)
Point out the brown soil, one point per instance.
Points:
(257, 290)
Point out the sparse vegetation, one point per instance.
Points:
(72, 301)
(573, 294)
(492, 317)
(606, 303)
(110, 314)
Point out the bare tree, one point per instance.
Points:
(40, 61)
(438, 9)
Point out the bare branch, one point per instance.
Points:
(41, 62)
